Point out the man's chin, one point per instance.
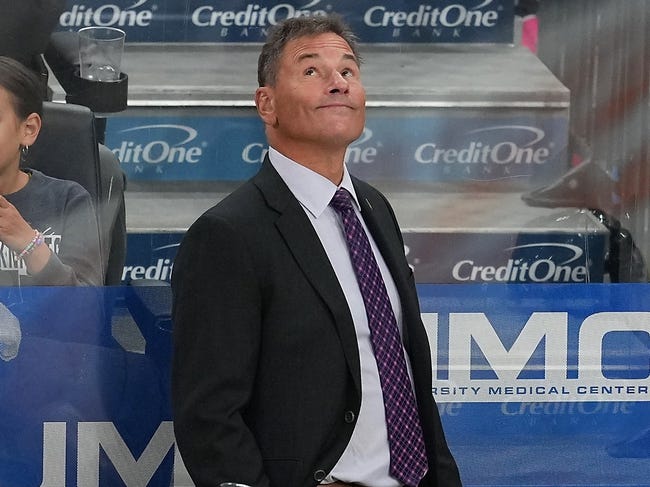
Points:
(341, 139)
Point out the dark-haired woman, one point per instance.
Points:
(48, 227)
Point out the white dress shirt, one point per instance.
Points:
(366, 459)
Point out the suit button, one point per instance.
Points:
(320, 475)
(349, 416)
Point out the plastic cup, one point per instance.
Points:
(100, 53)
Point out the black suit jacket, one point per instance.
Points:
(266, 379)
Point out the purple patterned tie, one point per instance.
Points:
(408, 462)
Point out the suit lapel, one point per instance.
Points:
(305, 246)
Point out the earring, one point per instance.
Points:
(24, 150)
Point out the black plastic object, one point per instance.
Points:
(99, 96)
(590, 187)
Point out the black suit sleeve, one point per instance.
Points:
(216, 316)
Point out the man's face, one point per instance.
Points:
(318, 99)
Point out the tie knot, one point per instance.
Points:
(342, 200)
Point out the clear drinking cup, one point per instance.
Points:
(100, 53)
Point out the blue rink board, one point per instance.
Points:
(546, 440)
(87, 410)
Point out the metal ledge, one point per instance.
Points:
(405, 75)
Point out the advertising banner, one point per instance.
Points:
(573, 256)
(150, 255)
(421, 145)
(516, 256)
(537, 385)
(379, 21)
(78, 409)
(543, 384)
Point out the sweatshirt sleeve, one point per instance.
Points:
(77, 259)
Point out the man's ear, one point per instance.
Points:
(265, 104)
(31, 127)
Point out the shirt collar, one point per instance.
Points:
(313, 191)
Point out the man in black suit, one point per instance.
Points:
(275, 381)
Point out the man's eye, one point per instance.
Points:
(310, 72)
(347, 72)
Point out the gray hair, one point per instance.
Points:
(293, 28)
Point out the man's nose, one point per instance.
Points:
(338, 83)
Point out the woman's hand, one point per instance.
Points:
(17, 234)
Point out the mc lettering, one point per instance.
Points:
(93, 437)
(546, 331)
(507, 364)
(593, 330)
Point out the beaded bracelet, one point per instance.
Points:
(31, 246)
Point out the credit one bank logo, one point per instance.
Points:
(545, 360)
(364, 150)
(563, 263)
(159, 145)
(253, 14)
(451, 16)
(499, 148)
(483, 14)
(161, 270)
(139, 14)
